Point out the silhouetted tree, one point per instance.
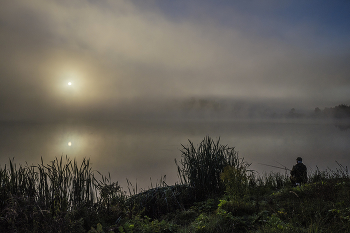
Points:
(342, 111)
(292, 113)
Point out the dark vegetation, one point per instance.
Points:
(339, 114)
(217, 193)
(215, 108)
(341, 111)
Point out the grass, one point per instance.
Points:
(218, 193)
(56, 197)
(200, 168)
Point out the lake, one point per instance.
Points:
(144, 151)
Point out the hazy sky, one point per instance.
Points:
(132, 56)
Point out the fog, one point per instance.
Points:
(126, 55)
(145, 76)
(144, 151)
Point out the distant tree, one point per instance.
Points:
(341, 111)
(317, 112)
(292, 113)
(341, 114)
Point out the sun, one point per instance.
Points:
(69, 143)
(69, 83)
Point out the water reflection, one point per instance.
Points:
(140, 150)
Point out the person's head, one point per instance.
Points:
(299, 160)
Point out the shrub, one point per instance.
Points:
(201, 167)
(147, 225)
(185, 217)
(237, 208)
(236, 180)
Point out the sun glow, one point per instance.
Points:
(69, 143)
(70, 84)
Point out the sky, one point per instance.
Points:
(151, 57)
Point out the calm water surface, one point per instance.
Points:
(144, 151)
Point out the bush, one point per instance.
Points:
(237, 208)
(147, 225)
(185, 217)
(236, 180)
(201, 167)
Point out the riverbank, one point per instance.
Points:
(218, 193)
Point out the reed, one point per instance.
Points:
(201, 167)
(217, 193)
(60, 188)
(60, 184)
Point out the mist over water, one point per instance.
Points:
(198, 64)
(144, 151)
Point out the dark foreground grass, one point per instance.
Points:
(63, 196)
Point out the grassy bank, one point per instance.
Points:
(218, 193)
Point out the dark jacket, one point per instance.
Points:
(299, 173)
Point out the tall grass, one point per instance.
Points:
(62, 185)
(31, 194)
(200, 167)
(218, 193)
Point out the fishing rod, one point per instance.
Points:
(282, 165)
(275, 166)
